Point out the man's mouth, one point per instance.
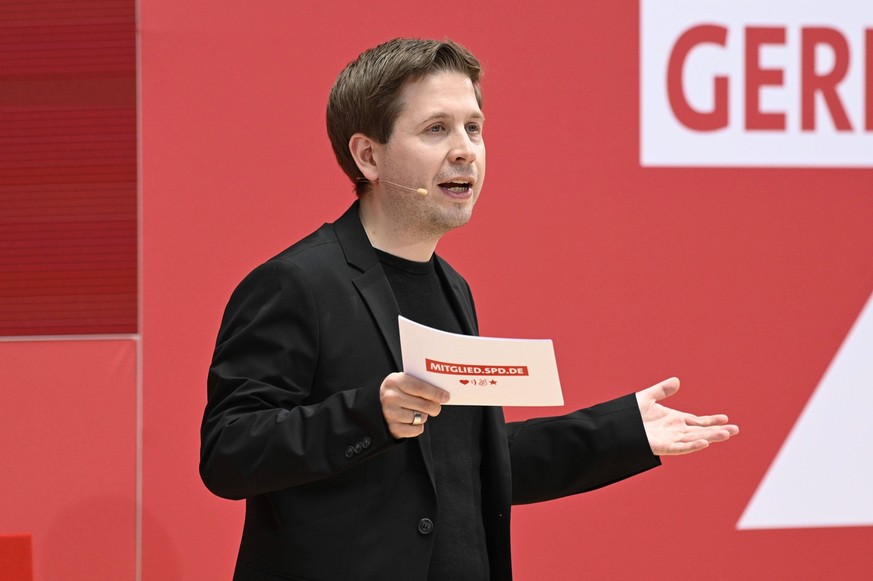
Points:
(457, 186)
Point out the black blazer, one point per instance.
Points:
(293, 424)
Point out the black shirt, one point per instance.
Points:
(460, 551)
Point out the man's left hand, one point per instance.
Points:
(671, 432)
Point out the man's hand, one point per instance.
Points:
(404, 396)
(672, 432)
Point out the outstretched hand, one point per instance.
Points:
(671, 432)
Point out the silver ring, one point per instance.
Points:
(416, 418)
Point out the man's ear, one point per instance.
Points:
(365, 152)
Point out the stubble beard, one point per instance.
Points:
(421, 217)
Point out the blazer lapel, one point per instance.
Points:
(461, 302)
(378, 296)
(371, 283)
(376, 291)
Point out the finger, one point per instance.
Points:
(711, 435)
(422, 389)
(721, 434)
(404, 430)
(418, 418)
(395, 398)
(717, 420)
(668, 387)
(718, 434)
(413, 427)
(402, 409)
(661, 390)
(405, 404)
(714, 420)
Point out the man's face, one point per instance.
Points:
(436, 144)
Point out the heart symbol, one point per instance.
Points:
(465, 381)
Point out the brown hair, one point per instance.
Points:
(364, 98)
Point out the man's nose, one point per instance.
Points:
(463, 149)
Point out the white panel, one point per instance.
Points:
(823, 475)
(665, 141)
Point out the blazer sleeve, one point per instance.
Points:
(593, 447)
(263, 428)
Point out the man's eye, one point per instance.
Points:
(435, 128)
(474, 127)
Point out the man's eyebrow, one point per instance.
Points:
(441, 116)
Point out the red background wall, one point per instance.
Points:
(741, 282)
(68, 431)
(68, 290)
(68, 167)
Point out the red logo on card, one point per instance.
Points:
(481, 370)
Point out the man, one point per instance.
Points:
(351, 470)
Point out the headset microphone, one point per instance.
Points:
(419, 191)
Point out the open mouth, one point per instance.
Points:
(457, 186)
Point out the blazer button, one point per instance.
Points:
(425, 526)
(366, 442)
(358, 448)
(350, 452)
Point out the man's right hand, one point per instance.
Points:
(404, 396)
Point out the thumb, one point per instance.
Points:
(664, 389)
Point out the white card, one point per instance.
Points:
(482, 370)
